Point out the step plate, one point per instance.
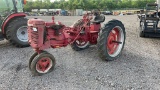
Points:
(153, 35)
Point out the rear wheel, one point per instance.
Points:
(111, 40)
(80, 45)
(17, 32)
(42, 64)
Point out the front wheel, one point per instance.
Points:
(32, 57)
(42, 63)
(111, 40)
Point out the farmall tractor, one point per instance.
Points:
(87, 31)
(13, 22)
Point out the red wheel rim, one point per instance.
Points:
(43, 65)
(113, 36)
(81, 43)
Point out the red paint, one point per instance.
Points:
(95, 27)
(113, 36)
(9, 18)
(43, 64)
(94, 30)
(63, 36)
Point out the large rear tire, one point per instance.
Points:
(111, 40)
(17, 32)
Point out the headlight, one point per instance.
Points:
(35, 29)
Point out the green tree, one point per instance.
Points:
(87, 4)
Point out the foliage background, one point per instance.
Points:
(87, 4)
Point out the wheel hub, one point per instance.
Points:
(110, 41)
(114, 41)
(113, 36)
(44, 65)
(22, 34)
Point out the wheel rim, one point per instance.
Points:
(81, 43)
(115, 41)
(44, 65)
(22, 34)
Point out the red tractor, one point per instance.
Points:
(13, 24)
(110, 39)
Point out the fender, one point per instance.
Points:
(9, 18)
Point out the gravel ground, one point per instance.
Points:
(137, 69)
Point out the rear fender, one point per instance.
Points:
(10, 18)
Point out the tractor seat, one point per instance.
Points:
(98, 19)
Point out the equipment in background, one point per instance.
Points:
(150, 21)
(13, 22)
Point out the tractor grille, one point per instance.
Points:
(33, 38)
